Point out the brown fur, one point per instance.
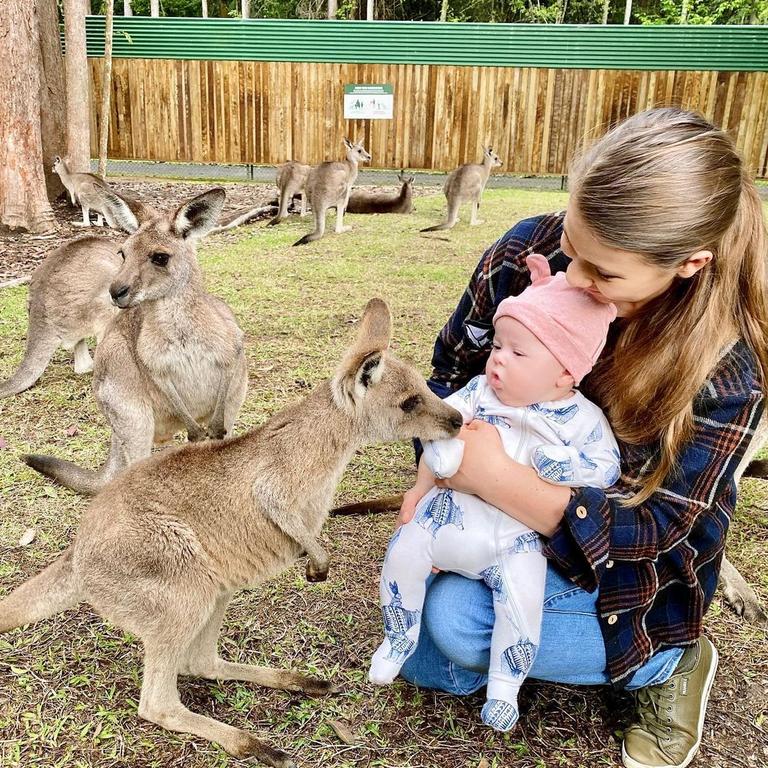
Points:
(466, 185)
(361, 201)
(173, 359)
(162, 550)
(291, 180)
(329, 186)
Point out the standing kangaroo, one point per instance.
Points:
(162, 550)
(91, 192)
(361, 201)
(172, 359)
(291, 180)
(329, 185)
(466, 184)
(68, 302)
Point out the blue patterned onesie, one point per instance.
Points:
(568, 442)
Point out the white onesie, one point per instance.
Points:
(568, 442)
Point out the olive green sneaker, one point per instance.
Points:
(670, 716)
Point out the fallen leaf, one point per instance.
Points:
(342, 731)
(73, 430)
(27, 537)
(265, 368)
(483, 763)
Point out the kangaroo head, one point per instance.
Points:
(388, 398)
(492, 156)
(59, 165)
(403, 179)
(356, 152)
(159, 257)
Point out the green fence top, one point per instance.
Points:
(566, 46)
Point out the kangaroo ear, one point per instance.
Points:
(364, 363)
(347, 143)
(198, 216)
(121, 213)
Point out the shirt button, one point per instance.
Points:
(581, 512)
(613, 618)
(609, 564)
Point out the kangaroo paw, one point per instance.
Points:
(316, 572)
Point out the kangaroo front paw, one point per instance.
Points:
(316, 571)
(196, 434)
(216, 432)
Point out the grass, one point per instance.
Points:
(69, 686)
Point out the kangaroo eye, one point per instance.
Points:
(160, 259)
(121, 254)
(410, 403)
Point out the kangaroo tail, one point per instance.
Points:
(40, 349)
(310, 238)
(758, 468)
(384, 504)
(79, 479)
(438, 227)
(53, 590)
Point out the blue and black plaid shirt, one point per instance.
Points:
(656, 564)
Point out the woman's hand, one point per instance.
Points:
(484, 459)
(408, 508)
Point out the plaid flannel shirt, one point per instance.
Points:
(656, 564)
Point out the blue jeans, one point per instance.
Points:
(455, 641)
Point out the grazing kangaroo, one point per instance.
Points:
(172, 359)
(328, 186)
(361, 201)
(291, 180)
(464, 185)
(91, 192)
(164, 547)
(68, 302)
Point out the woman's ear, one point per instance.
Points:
(693, 264)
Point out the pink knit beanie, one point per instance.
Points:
(571, 324)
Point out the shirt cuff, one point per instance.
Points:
(581, 542)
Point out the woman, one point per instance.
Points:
(664, 221)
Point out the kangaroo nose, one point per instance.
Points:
(456, 420)
(118, 293)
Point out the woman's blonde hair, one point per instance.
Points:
(665, 184)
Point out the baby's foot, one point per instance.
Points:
(383, 671)
(500, 715)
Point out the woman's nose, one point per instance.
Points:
(576, 276)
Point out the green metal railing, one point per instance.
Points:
(560, 46)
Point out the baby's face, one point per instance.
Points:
(521, 370)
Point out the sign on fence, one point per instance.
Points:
(368, 102)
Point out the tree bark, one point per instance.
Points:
(23, 201)
(106, 89)
(684, 12)
(154, 7)
(127, 10)
(53, 95)
(444, 10)
(205, 9)
(627, 11)
(245, 9)
(606, 8)
(369, 10)
(78, 88)
(333, 6)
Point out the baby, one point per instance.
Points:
(545, 341)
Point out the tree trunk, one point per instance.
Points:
(684, 12)
(53, 95)
(23, 202)
(106, 89)
(333, 6)
(205, 9)
(78, 88)
(245, 9)
(444, 10)
(627, 11)
(127, 10)
(154, 7)
(606, 8)
(369, 10)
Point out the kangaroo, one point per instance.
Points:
(291, 180)
(172, 358)
(68, 302)
(361, 201)
(328, 186)
(466, 184)
(164, 547)
(91, 192)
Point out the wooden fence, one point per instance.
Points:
(535, 119)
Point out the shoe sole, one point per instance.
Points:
(630, 763)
